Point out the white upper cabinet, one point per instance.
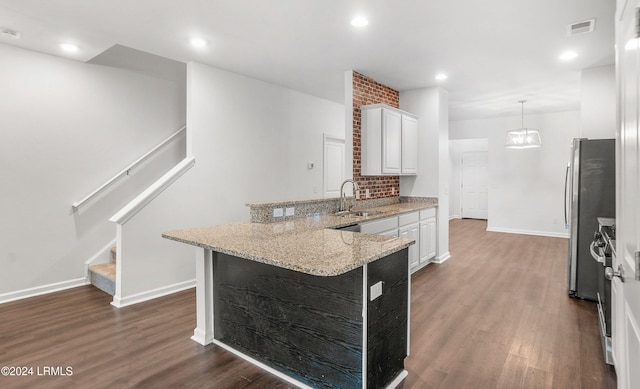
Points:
(389, 141)
(409, 145)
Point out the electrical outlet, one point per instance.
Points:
(290, 211)
(277, 212)
(366, 193)
(375, 291)
(393, 191)
(358, 194)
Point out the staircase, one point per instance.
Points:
(103, 275)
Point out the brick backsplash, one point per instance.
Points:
(368, 91)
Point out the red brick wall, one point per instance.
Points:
(368, 91)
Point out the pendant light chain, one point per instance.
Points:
(523, 127)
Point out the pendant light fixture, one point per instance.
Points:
(523, 138)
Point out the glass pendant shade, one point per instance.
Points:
(523, 138)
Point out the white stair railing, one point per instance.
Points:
(152, 191)
(125, 171)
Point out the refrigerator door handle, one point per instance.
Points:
(566, 186)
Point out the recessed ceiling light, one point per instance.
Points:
(441, 77)
(568, 55)
(8, 33)
(198, 43)
(69, 47)
(359, 21)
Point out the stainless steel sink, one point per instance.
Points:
(367, 213)
(363, 213)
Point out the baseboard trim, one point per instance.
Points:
(261, 365)
(451, 217)
(442, 258)
(528, 232)
(393, 384)
(44, 289)
(201, 337)
(119, 302)
(398, 380)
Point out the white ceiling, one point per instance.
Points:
(495, 52)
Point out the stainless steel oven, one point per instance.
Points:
(601, 249)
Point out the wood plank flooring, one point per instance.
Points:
(495, 315)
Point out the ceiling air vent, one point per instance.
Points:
(581, 27)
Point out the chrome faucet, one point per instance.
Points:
(355, 187)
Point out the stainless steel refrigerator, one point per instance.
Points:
(589, 193)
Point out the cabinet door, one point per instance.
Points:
(391, 142)
(424, 239)
(409, 145)
(433, 236)
(380, 226)
(390, 233)
(411, 232)
(428, 242)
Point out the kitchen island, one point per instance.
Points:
(316, 306)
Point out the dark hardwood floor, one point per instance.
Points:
(495, 315)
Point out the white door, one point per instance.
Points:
(427, 240)
(411, 232)
(333, 165)
(391, 142)
(475, 185)
(409, 145)
(626, 290)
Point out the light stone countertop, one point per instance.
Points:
(305, 244)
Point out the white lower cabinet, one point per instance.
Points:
(381, 226)
(428, 236)
(419, 226)
(393, 233)
(411, 232)
(408, 228)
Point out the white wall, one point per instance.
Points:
(598, 102)
(252, 141)
(66, 128)
(526, 187)
(431, 105)
(348, 124)
(457, 147)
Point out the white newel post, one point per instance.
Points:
(203, 333)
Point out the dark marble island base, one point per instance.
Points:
(315, 331)
(317, 307)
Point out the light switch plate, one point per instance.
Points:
(375, 291)
(289, 211)
(277, 212)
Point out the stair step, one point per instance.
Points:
(107, 270)
(103, 277)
